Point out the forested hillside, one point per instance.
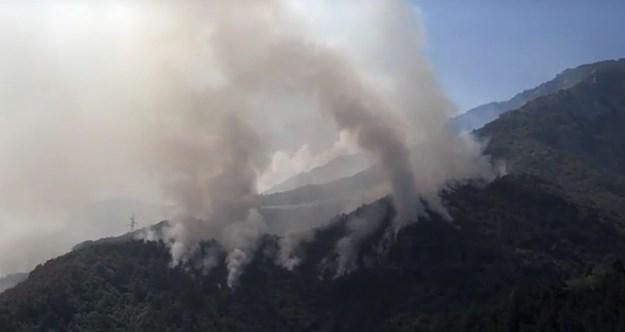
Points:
(540, 249)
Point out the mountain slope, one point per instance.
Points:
(337, 168)
(304, 206)
(561, 104)
(595, 302)
(481, 115)
(513, 231)
(575, 137)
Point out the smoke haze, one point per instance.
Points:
(199, 105)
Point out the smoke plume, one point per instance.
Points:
(189, 104)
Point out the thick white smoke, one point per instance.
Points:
(191, 103)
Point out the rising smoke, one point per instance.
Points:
(187, 104)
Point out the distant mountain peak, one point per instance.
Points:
(479, 116)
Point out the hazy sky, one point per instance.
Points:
(487, 50)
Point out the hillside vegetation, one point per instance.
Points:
(540, 249)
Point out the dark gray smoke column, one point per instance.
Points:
(209, 164)
(363, 114)
(261, 53)
(175, 103)
(265, 55)
(355, 106)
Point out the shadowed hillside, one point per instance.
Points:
(512, 232)
(575, 137)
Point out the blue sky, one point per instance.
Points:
(486, 50)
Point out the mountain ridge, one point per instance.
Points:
(574, 137)
(476, 117)
(340, 167)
